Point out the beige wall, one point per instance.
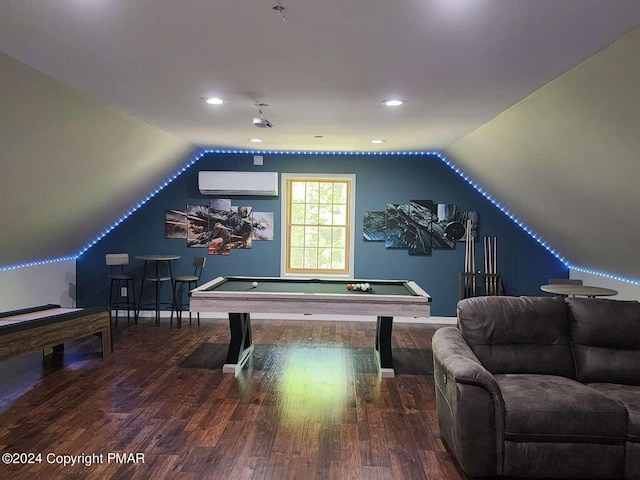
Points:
(69, 165)
(566, 160)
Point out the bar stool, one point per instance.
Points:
(191, 281)
(157, 277)
(120, 279)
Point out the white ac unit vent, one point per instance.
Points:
(238, 183)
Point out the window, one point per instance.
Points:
(318, 224)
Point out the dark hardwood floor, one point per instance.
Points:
(310, 405)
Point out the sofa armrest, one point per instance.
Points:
(470, 405)
(460, 363)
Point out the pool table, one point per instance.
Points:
(238, 297)
(47, 327)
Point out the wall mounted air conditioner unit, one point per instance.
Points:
(238, 183)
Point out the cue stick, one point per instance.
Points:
(486, 263)
(468, 268)
(466, 264)
(495, 265)
(490, 249)
(473, 264)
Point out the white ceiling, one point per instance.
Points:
(323, 71)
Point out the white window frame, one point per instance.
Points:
(284, 177)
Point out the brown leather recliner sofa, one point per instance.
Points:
(541, 387)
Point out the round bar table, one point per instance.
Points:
(157, 278)
(579, 290)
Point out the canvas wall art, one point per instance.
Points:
(219, 226)
(419, 226)
(175, 224)
(262, 226)
(374, 227)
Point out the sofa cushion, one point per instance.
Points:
(518, 334)
(606, 340)
(632, 461)
(565, 460)
(548, 408)
(629, 396)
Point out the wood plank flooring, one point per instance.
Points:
(310, 405)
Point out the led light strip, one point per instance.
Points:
(36, 263)
(504, 210)
(606, 275)
(442, 158)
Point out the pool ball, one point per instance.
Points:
(254, 284)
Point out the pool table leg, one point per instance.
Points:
(241, 343)
(50, 349)
(384, 325)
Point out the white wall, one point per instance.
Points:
(626, 290)
(38, 285)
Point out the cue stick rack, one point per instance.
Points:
(472, 283)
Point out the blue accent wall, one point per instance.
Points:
(380, 179)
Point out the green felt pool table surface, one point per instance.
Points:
(306, 286)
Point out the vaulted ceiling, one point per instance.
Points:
(536, 100)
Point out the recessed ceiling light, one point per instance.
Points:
(214, 101)
(377, 141)
(255, 140)
(393, 102)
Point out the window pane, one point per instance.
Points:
(297, 213)
(339, 237)
(339, 192)
(310, 258)
(324, 236)
(337, 258)
(339, 215)
(297, 258)
(324, 259)
(297, 236)
(312, 192)
(311, 215)
(297, 192)
(311, 237)
(325, 216)
(326, 192)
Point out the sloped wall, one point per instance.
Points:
(566, 160)
(69, 165)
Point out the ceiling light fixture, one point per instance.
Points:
(260, 121)
(393, 102)
(214, 101)
(377, 141)
(255, 140)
